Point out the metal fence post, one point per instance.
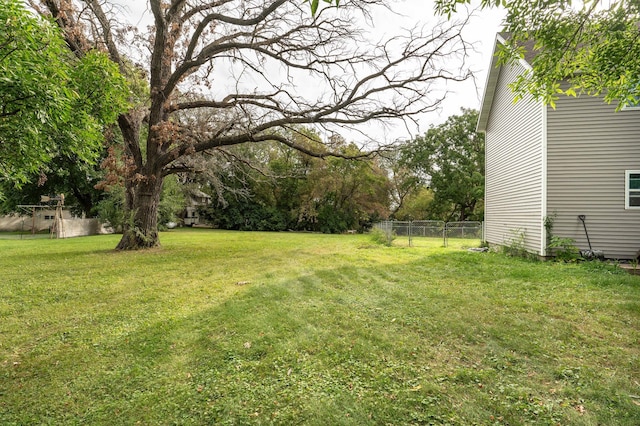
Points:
(410, 232)
(444, 235)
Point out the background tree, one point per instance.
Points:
(342, 194)
(50, 104)
(247, 60)
(450, 159)
(404, 185)
(416, 205)
(65, 174)
(296, 191)
(253, 191)
(594, 46)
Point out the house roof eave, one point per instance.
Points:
(492, 83)
(489, 87)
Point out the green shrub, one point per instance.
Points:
(111, 209)
(382, 237)
(515, 245)
(564, 249)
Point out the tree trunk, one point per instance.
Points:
(142, 231)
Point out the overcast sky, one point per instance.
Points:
(480, 31)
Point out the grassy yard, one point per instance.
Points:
(258, 328)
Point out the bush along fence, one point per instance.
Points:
(432, 229)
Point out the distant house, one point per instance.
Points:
(35, 219)
(583, 158)
(195, 200)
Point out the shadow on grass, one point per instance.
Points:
(452, 338)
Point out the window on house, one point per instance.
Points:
(633, 105)
(632, 189)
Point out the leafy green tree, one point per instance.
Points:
(450, 159)
(593, 46)
(111, 209)
(404, 185)
(293, 190)
(51, 103)
(416, 205)
(343, 194)
(64, 175)
(254, 190)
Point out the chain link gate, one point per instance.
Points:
(431, 229)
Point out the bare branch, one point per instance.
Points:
(107, 33)
(229, 72)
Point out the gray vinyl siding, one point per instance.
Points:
(514, 167)
(590, 146)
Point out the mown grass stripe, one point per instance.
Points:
(257, 328)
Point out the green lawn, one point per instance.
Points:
(260, 328)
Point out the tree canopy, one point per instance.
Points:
(248, 71)
(594, 46)
(450, 160)
(296, 191)
(51, 103)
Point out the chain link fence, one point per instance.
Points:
(418, 232)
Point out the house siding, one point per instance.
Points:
(590, 146)
(514, 186)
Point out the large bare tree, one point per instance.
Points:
(256, 68)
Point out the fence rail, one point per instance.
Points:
(432, 229)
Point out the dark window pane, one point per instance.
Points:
(634, 182)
